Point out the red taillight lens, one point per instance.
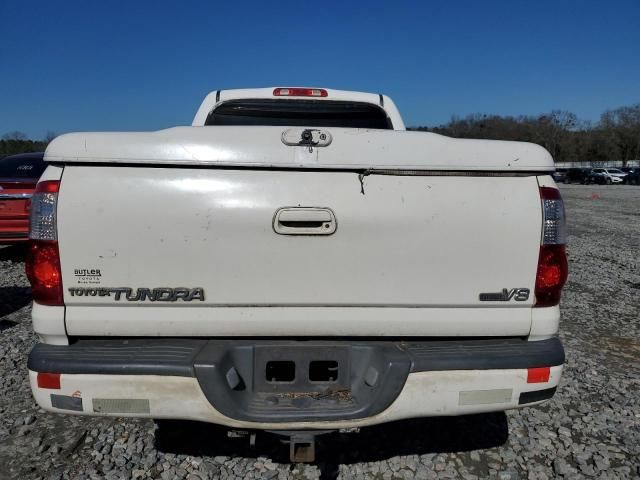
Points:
(552, 261)
(43, 259)
(538, 375)
(43, 272)
(300, 92)
(553, 270)
(48, 186)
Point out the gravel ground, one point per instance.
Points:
(590, 429)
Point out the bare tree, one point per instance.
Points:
(623, 129)
(15, 135)
(615, 137)
(50, 136)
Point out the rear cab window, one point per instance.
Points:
(300, 113)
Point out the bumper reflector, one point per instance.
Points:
(538, 375)
(49, 380)
(536, 396)
(121, 405)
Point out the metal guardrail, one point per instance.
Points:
(603, 164)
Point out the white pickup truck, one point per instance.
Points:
(295, 261)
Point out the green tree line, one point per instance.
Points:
(615, 137)
(17, 142)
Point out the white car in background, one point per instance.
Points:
(606, 175)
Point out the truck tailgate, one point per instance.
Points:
(410, 253)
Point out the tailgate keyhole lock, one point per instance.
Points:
(306, 138)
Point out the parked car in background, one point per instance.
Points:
(560, 175)
(606, 176)
(633, 177)
(576, 175)
(18, 177)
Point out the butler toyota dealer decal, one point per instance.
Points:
(87, 275)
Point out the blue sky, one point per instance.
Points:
(143, 65)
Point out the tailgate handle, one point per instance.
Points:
(304, 221)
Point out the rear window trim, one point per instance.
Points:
(267, 101)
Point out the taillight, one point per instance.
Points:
(300, 92)
(43, 211)
(43, 258)
(538, 374)
(553, 268)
